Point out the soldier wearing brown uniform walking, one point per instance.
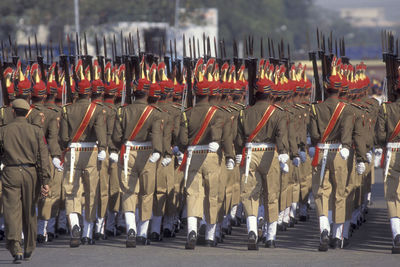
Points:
(83, 135)
(22, 149)
(138, 136)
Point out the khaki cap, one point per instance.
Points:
(20, 103)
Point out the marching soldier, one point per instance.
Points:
(331, 138)
(138, 136)
(387, 133)
(25, 158)
(83, 135)
(262, 136)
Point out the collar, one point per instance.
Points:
(140, 101)
(20, 119)
(84, 100)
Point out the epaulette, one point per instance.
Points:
(300, 106)
(242, 105)
(185, 119)
(313, 109)
(157, 108)
(277, 106)
(177, 105)
(119, 113)
(363, 108)
(53, 109)
(384, 108)
(241, 116)
(235, 108)
(100, 104)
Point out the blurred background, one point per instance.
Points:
(360, 22)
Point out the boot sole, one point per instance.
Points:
(75, 242)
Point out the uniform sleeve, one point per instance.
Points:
(380, 127)
(347, 128)
(157, 133)
(359, 139)
(239, 138)
(167, 134)
(216, 126)
(64, 135)
(313, 126)
(292, 136)
(281, 135)
(176, 128)
(43, 160)
(52, 137)
(117, 133)
(100, 129)
(227, 137)
(110, 125)
(183, 132)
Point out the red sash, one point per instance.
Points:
(332, 122)
(82, 127)
(145, 115)
(265, 118)
(210, 114)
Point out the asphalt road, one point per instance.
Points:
(370, 246)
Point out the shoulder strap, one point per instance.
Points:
(142, 119)
(85, 122)
(210, 114)
(332, 122)
(395, 132)
(267, 115)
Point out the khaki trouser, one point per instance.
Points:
(392, 186)
(305, 180)
(284, 189)
(368, 179)
(19, 200)
(351, 186)
(114, 188)
(222, 186)
(263, 179)
(295, 185)
(140, 185)
(334, 185)
(84, 189)
(202, 186)
(165, 185)
(179, 198)
(51, 205)
(1, 199)
(104, 183)
(236, 185)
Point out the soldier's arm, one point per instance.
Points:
(52, 138)
(292, 137)
(240, 136)
(227, 137)
(313, 127)
(100, 130)
(176, 128)
(281, 135)
(183, 132)
(64, 135)
(346, 128)
(117, 133)
(157, 133)
(380, 127)
(360, 140)
(43, 158)
(167, 134)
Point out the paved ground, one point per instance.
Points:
(370, 246)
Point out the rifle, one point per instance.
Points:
(87, 59)
(39, 58)
(65, 67)
(187, 64)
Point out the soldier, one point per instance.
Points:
(331, 134)
(387, 133)
(164, 206)
(46, 213)
(83, 135)
(22, 150)
(262, 135)
(138, 136)
(201, 133)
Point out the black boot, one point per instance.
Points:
(252, 241)
(270, 244)
(191, 240)
(131, 239)
(324, 242)
(396, 245)
(75, 240)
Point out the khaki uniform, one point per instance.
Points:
(203, 175)
(22, 148)
(388, 117)
(138, 188)
(336, 172)
(264, 172)
(86, 166)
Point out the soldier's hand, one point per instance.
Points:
(378, 157)
(230, 164)
(114, 157)
(344, 153)
(360, 168)
(284, 167)
(283, 158)
(369, 156)
(296, 161)
(154, 157)
(45, 190)
(102, 155)
(166, 161)
(179, 156)
(57, 164)
(311, 152)
(303, 156)
(213, 147)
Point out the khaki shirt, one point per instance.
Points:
(388, 117)
(23, 143)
